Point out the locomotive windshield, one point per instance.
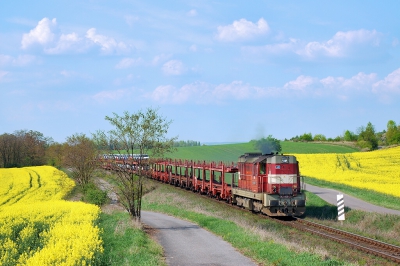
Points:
(262, 168)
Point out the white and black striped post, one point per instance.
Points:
(340, 207)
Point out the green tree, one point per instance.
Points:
(306, 137)
(349, 136)
(319, 137)
(143, 132)
(367, 137)
(268, 145)
(392, 133)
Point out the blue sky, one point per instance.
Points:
(222, 71)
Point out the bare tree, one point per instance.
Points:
(143, 132)
(23, 148)
(54, 154)
(10, 150)
(80, 155)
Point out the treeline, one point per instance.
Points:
(32, 148)
(23, 148)
(187, 143)
(365, 137)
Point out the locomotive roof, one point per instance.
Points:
(270, 158)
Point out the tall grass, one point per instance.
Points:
(125, 243)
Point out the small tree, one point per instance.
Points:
(54, 154)
(268, 145)
(392, 133)
(140, 133)
(349, 136)
(367, 138)
(319, 137)
(306, 137)
(80, 156)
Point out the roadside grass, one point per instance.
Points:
(258, 237)
(370, 196)
(126, 243)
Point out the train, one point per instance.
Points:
(263, 183)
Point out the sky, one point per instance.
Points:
(221, 71)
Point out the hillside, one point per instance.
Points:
(231, 152)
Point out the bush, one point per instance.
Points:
(94, 195)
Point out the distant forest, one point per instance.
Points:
(365, 137)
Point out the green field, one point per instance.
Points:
(231, 152)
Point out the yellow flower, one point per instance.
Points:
(38, 227)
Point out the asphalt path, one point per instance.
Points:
(188, 244)
(329, 195)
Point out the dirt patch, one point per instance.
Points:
(111, 208)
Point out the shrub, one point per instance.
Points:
(94, 195)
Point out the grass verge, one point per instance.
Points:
(125, 243)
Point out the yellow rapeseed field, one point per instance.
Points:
(377, 170)
(38, 227)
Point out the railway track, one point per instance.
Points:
(368, 245)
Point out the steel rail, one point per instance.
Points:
(369, 245)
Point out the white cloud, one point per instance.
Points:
(197, 92)
(361, 81)
(21, 60)
(173, 67)
(192, 13)
(242, 30)
(201, 92)
(130, 20)
(2, 75)
(303, 86)
(300, 84)
(67, 42)
(5, 59)
(340, 43)
(272, 50)
(128, 62)
(390, 84)
(163, 94)
(41, 34)
(193, 48)
(108, 45)
(160, 58)
(112, 95)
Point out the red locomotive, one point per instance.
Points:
(267, 183)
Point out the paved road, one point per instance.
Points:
(329, 195)
(187, 244)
